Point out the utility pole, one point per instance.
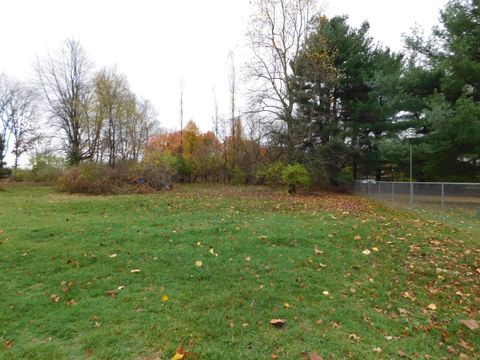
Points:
(181, 116)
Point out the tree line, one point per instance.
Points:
(322, 94)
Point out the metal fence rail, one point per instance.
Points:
(460, 199)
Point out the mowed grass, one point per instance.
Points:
(265, 255)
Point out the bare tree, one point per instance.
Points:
(232, 84)
(5, 98)
(18, 118)
(111, 95)
(24, 125)
(66, 84)
(278, 31)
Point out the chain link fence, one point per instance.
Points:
(460, 201)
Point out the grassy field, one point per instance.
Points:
(206, 268)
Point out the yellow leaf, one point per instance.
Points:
(165, 298)
(178, 356)
(199, 263)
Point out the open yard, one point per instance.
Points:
(206, 268)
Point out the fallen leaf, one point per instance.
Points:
(113, 255)
(471, 324)
(179, 354)
(466, 345)
(111, 293)
(366, 252)
(326, 293)
(432, 307)
(377, 350)
(401, 353)
(354, 337)
(274, 356)
(314, 356)
(55, 298)
(135, 271)
(2, 231)
(357, 237)
(248, 258)
(478, 270)
(165, 298)
(8, 344)
(287, 305)
(317, 251)
(375, 248)
(121, 287)
(278, 323)
(198, 263)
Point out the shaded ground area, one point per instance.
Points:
(207, 268)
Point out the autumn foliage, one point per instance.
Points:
(205, 157)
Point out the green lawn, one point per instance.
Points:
(66, 295)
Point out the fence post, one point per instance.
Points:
(411, 194)
(379, 196)
(443, 200)
(393, 193)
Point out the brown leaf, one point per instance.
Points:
(354, 337)
(401, 353)
(71, 302)
(278, 323)
(314, 356)
(471, 324)
(8, 344)
(111, 293)
(180, 354)
(55, 298)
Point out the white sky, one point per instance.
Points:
(157, 42)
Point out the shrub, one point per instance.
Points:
(5, 172)
(295, 176)
(183, 167)
(125, 177)
(239, 176)
(162, 168)
(272, 175)
(46, 167)
(91, 179)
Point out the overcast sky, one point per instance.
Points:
(156, 43)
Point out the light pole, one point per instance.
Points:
(410, 134)
(411, 176)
